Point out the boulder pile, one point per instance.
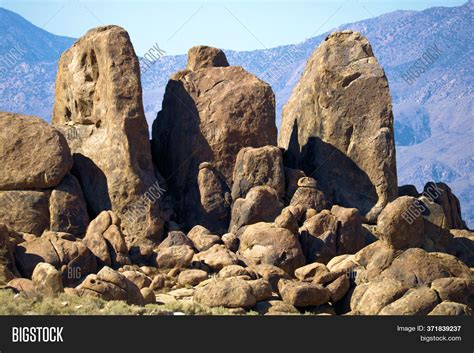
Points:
(212, 211)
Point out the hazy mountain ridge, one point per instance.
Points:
(433, 116)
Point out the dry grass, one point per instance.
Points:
(14, 304)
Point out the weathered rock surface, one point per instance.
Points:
(338, 125)
(202, 56)
(291, 182)
(217, 257)
(459, 290)
(275, 307)
(233, 271)
(408, 190)
(231, 241)
(261, 289)
(370, 298)
(61, 209)
(308, 196)
(202, 238)
(462, 245)
(210, 111)
(213, 211)
(417, 267)
(192, 277)
(331, 233)
(302, 294)
(443, 196)
(350, 237)
(263, 243)
(419, 301)
(400, 225)
(25, 211)
(111, 285)
(98, 107)
(23, 285)
(260, 205)
(375, 258)
(106, 241)
(8, 241)
(339, 287)
(148, 296)
(73, 258)
(308, 272)
(258, 166)
(177, 256)
(409, 282)
(227, 292)
(67, 208)
(450, 308)
(175, 238)
(47, 280)
(33, 155)
(139, 279)
(288, 219)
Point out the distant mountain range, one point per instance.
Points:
(433, 109)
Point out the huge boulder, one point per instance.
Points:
(462, 245)
(175, 238)
(302, 294)
(226, 292)
(308, 196)
(61, 209)
(412, 281)
(459, 290)
(210, 111)
(263, 243)
(370, 298)
(47, 279)
(202, 56)
(176, 256)
(33, 155)
(331, 233)
(416, 267)
(416, 301)
(36, 191)
(258, 166)
(73, 258)
(202, 238)
(25, 211)
(8, 241)
(338, 125)
(450, 308)
(401, 224)
(441, 194)
(213, 210)
(106, 240)
(217, 257)
(318, 237)
(98, 107)
(260, 205)
(108, 284)
(67, 208)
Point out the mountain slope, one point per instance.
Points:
(28, 62)
(433, 114)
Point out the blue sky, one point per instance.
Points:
(179, 25)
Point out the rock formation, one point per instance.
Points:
(98, 107)
(258, 166)
(296, 240)
(338, 125)
(36, 191)
(210, 111)
(33, 155)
